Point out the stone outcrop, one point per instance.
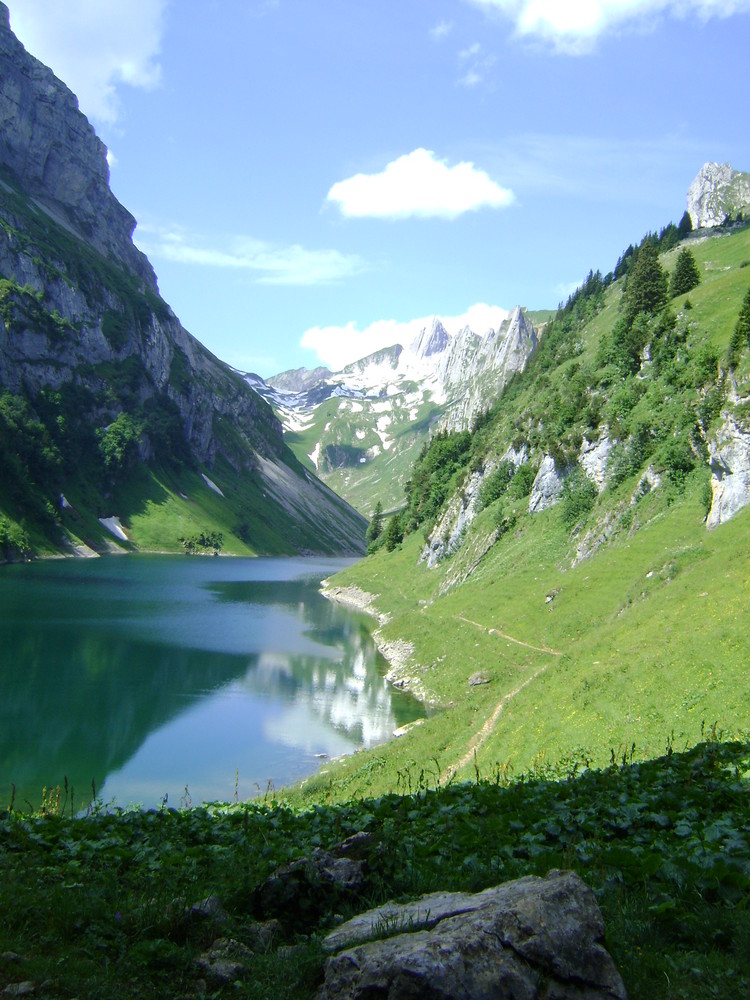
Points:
(730, 467)
(716, 193)
(54, 153)
(547, 487)
(532, 938)
(594, 459)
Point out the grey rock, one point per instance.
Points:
(306, 888)
(532, 938)
(730, 467)
(226, 961)
(594, 459)
(717, 192)
(479, 678)
(547, 486)
(57, 157)
(83, 270)
(211, 909)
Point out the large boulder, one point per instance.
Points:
(532, 938)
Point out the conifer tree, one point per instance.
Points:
(375, 528)
(646, 290)
(685, 275)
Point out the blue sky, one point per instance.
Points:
(313, 180)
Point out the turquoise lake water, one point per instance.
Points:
(192, 678)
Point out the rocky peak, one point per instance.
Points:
(48, 146)
(716, 193)
(430, 341)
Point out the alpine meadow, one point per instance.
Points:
(510, 652)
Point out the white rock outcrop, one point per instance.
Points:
(717, 192)
(594, 459)
(547, 487)
(730, 466)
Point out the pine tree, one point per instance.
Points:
(375, 528)
(394, 534)
(685, 275)
(646, 290)
(686, 225)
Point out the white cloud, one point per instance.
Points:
(338, 346)
(94, 46)
(441, 30)
(573, 26)
(274, 265)
(418, 184)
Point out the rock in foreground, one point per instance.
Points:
(531, 938)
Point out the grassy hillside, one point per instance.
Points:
(605, 625)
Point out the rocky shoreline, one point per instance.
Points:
(398, 652)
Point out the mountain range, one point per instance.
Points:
(362, 427)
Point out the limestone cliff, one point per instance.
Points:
(80, 313)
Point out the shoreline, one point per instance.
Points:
(397, 652)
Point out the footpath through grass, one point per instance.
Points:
(96, 907)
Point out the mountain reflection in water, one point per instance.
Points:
(150, 674)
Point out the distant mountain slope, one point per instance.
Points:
(361, 428)
(117, 427)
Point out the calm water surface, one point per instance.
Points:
(150, 674)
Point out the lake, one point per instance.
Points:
(195, 679)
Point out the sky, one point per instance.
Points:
(316, 179)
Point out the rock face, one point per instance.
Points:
(716, 193)
(532, 938)
(57, 157)
(547, 486)
(730, 467)
(80, 312)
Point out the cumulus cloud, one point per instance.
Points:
(94, 46)
(338, 346)
(574, 25)
(418, 184)
(272, 265)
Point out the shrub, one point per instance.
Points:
(578, 498)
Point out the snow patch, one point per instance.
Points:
(315, 455)
(112, 524)
(211, 484)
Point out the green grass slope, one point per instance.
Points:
(608, 628)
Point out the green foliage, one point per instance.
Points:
(578, 498)
(678, 459)
(375, 527)
(436, 472)
(99, 905)
(14, 541)
(496, 484)
(646, 290)
(685, 276)
(686, 224)
(203, 542)
(522, 481)
(118, 443)
(115, 329)
(394, 533)
(740, 339)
